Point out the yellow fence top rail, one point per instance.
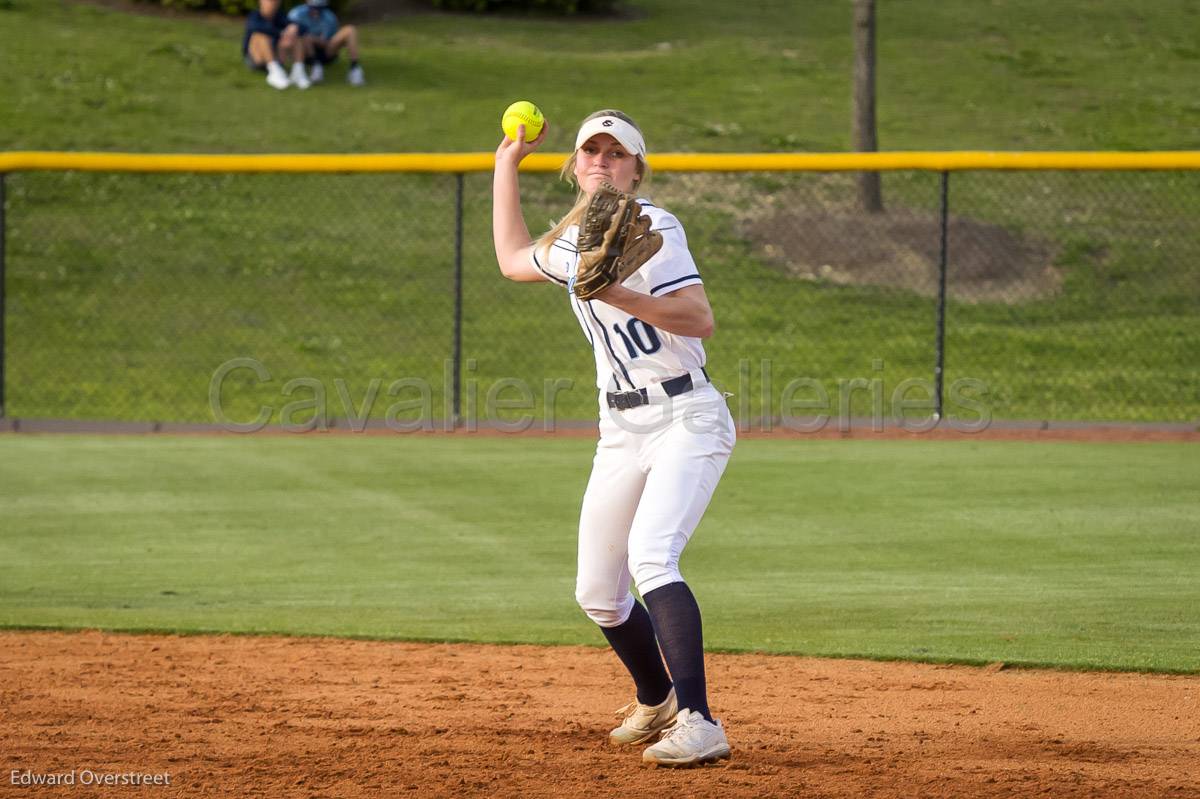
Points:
(550, 162)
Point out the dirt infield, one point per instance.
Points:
(229, 716)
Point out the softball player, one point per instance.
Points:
(665, 437)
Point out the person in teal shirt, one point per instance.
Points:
(323, 38)
(269, 38)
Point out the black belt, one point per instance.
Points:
(624, 400)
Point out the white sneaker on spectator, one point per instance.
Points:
(355, 76)
(276, 77)
(299, 77)
(317, 73)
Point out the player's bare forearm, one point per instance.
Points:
(510, 235)
(685, 312)
(509, 232)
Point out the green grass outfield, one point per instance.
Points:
(1068, 555)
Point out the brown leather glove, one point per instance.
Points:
(615, 239)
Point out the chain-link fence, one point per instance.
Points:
(281, 298)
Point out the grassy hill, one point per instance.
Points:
(126, 292)
(699, 75)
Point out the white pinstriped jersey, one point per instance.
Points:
(629, 352)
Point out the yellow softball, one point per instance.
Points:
(524, 113)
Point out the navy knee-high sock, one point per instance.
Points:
(635, 645)
(676, 619)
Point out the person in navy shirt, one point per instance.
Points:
(323, 37)
(269, 38)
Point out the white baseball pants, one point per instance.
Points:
(654, 473)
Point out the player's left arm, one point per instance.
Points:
(684, 312)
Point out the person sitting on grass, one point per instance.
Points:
(324, 37)
(270, 36)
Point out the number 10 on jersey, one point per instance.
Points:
(638, 336)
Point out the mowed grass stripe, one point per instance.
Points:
(1072, 555)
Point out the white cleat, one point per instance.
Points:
(276, 77)
(355, 77)
(692, 741)
(299, 76)
(643, 722)
(317, 73)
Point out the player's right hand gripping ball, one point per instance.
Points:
(524, 113)
(615, 240)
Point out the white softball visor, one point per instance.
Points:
(619, 129)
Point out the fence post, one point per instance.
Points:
(458, 297)
(3, 298)
(940, 345)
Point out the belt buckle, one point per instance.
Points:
(624, 400)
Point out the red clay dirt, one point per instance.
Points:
(258, 716)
